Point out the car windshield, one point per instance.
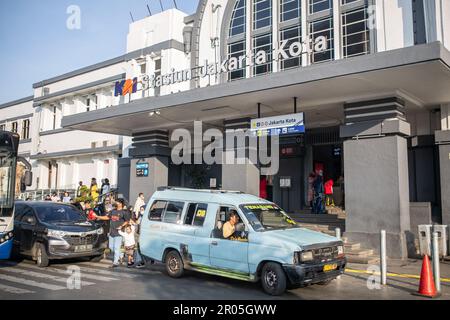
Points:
(58, 213)
(267, 217)
(7, 169)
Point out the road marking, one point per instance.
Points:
(395, 275)
(42, 275)
(14, 290)
(64, 271)
(108, 273)
(31, 283)
(120, 270)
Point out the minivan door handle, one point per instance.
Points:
(214, 243)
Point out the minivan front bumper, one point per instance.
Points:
(305, 274)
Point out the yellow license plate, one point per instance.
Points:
(329, 267)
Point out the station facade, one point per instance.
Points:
(369, 77)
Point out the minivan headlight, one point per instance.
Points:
(306, 256)
(55, 233)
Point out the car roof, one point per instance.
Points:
(42, 203)
(212, 196)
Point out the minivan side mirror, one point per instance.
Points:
(28, 178)
(240, 227)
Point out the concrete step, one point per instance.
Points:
(352, 246)
(360, 252)
(362, 260)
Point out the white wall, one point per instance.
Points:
(166, 25)
(209, 30)
(394, 24)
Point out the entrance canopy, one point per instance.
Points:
(419, 74)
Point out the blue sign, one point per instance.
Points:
(142, 169)
(279, 125)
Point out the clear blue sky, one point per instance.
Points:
(35, 43)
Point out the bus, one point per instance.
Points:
(9, 145)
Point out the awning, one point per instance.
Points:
(419, 74)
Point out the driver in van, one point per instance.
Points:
(229, 228)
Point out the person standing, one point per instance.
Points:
(66, 198)
(80, 186)
(117, 222)
(318, 205)
(329, 200)
(106, 188)
(140, 202)
(94, 190)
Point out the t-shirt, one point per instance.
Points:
(129, 238)
(228, 230)
(117, 219)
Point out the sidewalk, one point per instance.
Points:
(402, 280)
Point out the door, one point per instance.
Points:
(27, 230)
(224, 253)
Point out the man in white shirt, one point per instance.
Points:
(140, 202)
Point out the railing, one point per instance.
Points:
(39, 195)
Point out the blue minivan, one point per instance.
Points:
(236, 235)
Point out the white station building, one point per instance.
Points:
(370, 77)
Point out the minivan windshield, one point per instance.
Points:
(267, 217)
(58, 213)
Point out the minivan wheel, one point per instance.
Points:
(273, 279)
(174, 264)
(41, 256)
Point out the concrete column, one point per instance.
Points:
(151, 148)
(442, 139)
(242, 175)
(445, 116)
(376, 175)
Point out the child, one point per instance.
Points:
(130, 242)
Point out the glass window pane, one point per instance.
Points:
(324, 28)
(355, 33)
(262, 14)
(237, 24)
(173, 212)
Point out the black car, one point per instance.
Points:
(47, 230)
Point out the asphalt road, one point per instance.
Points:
(24, 280)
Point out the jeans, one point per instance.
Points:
(115, 244)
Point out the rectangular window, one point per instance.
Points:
(2, 127)
(173, 212)
(157, 74)
(355, 33)
(157, 210)
(196, 214)
(54, 117)
(319, 5)
(262, 14)
(263, 43)
(324, 28)
(14, 127)
(292, 35)
(290, 9)
(348, 1)
(143, 68)
(236, 50)
(88, 104)
(26, 129)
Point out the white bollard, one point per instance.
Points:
(383, 262)
(338, 233)
(435, 258)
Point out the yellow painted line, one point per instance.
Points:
(396, 275)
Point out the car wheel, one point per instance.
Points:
(41, 256)
(273, 279)
(174, 264)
